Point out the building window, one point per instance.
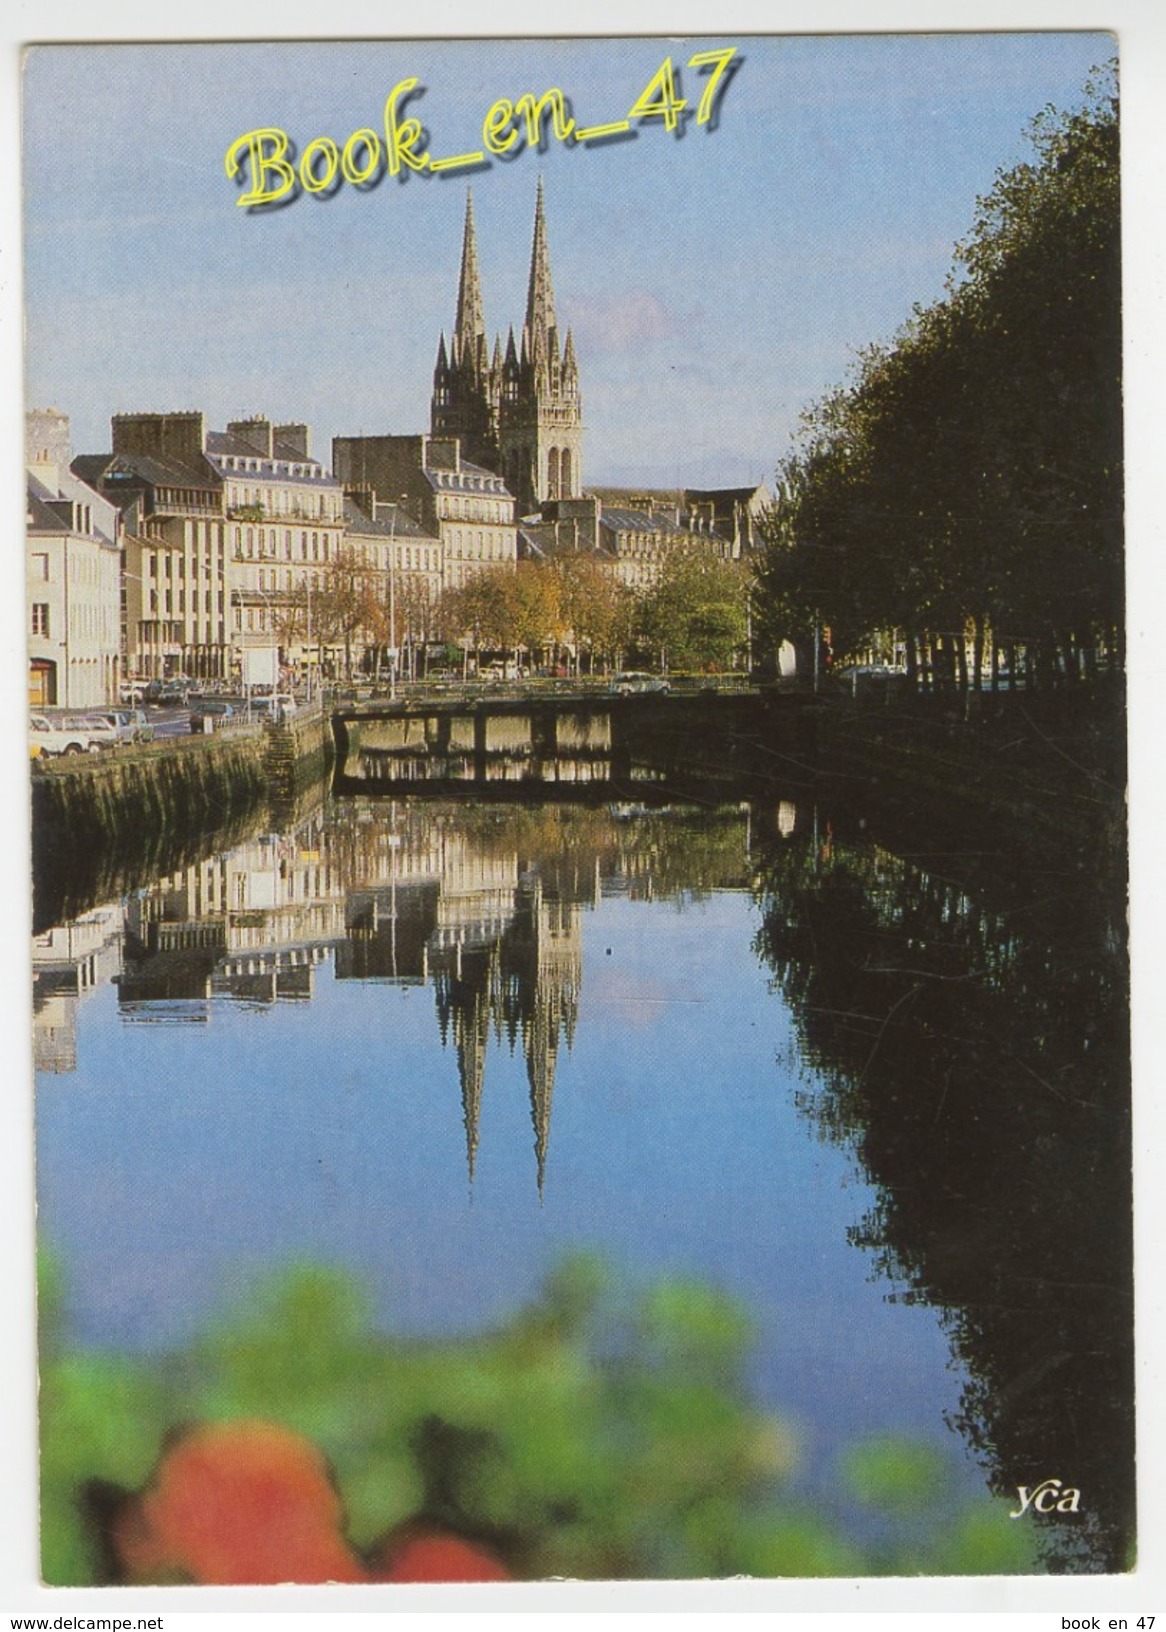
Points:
(40, 618)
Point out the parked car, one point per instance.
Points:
(168, 693)
(130, 724)
(868, 671)
(631, 681)
(862, 678)
(132, 691)
(212, 709)
(103, 733)
(279, 707)
(62, 736)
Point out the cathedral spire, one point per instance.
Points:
(470, 326)
(540, 297)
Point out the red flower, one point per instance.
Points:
(237, 1504)
(253, 1504)
(417, 1553)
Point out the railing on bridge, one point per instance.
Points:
(535, 688)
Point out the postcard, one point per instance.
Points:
(576, 677)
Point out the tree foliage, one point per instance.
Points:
(967, 484)
(695, 614)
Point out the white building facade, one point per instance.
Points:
(72, 575)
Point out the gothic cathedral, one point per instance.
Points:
(519, 414)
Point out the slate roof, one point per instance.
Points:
(727, 495)
(222, 445)
(40, 518)
(622, 520)
(357, 520)
(158, 472)
(621, 496)
(469, 479)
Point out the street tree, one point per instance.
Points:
(346, 606)
(965, 487)
(695, 615)
(596, 610)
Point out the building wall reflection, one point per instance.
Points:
(483, 905)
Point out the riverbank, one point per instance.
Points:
(99, 824)
(1040, 775)
(1031, 789)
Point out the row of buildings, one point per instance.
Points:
(210, 553)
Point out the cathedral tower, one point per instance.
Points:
(540, 412)
(464, 402)
(518, 412)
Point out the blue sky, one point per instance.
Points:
(717, 282)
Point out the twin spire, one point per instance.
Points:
(518, 411)
(469, 347)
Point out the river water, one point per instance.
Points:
(442, 1044)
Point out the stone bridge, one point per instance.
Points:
(586, 744)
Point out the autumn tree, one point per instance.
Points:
(480, 614)
(536, 614)
(597, 611)
(347, 602)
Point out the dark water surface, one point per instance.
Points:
(440, 1044)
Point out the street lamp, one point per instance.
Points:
(393, 604)
(393, 649)
(308, 635)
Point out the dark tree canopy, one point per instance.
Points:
(967, 486)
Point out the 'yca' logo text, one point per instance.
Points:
(1050, 1496)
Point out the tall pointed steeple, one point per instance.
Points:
(540, 420)
(540, 296)
(471, 321)
(465, 390)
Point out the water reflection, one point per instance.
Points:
(959, 1046)
(970, 1048)
(482, 906)
(552, 746)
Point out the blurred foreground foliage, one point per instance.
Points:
(596, 1434)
